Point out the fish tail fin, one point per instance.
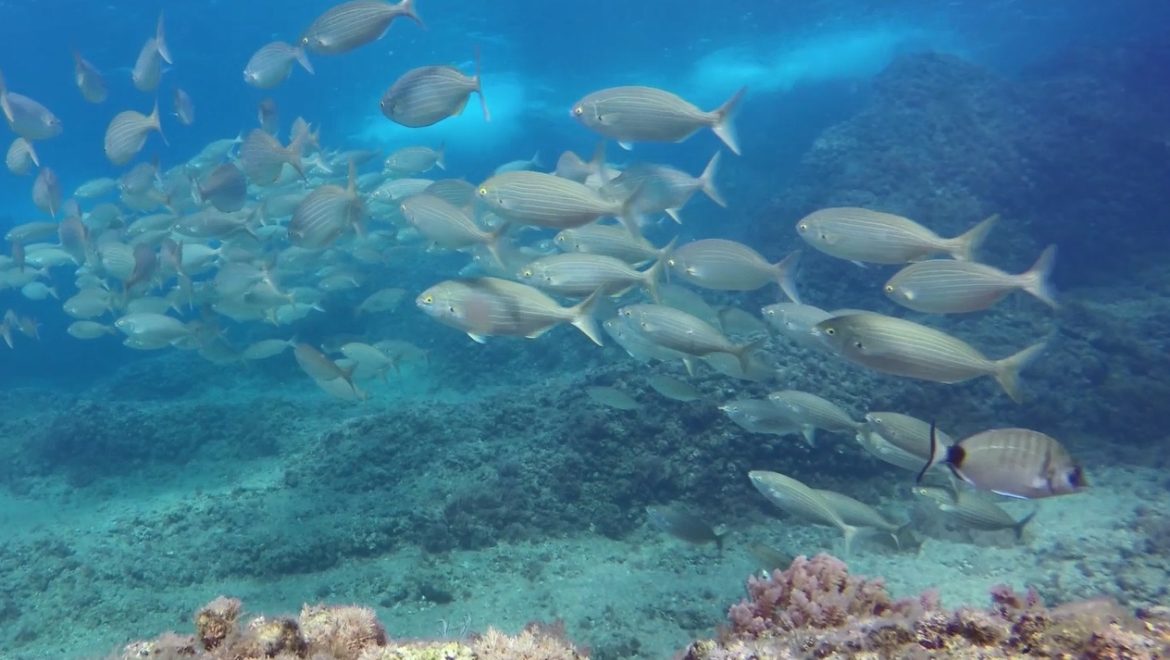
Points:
(722, 125)
(406, 8)
(597, 162)
(32, 153)
(534, 162)
(932, 458)
(487, 115)
(707, 181)
(303, 59)
(583, 319)
(965, 246)
(495, 245)
(850, 532)
(155, 123)
(631, 214)
(1018, 528)
(160, 41)
(786, 275)
(1037, 279)
(654, 272)
(743, 352)
(904, 536)
(1007, 370)
(809, 433)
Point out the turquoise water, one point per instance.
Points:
(454, 485)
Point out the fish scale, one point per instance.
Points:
(352, 24)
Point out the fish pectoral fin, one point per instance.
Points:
(538, 333)
(479, 339)
(858, 263)
(628, 146)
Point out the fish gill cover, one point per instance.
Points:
(302, 343)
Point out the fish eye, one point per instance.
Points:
(451, 308)
(802, 226)
(428, 299)
(858, 345)
(482, 192)
(559, 239)
(830, 331)
(670, 262)
(579, 110)
(889, 288)
(527, 273)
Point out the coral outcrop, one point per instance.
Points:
(816, 609)
(325, 632)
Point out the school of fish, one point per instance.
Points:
(262, 228)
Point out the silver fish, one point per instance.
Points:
(673, 388)
(1013, 462)
(796, 322)
(646, 114)
(89, 80)
(684, 525)
(665, 189)
(262, 157)
(126, 134)
(26, 117)
(759, 416)
(447, 225)
(326, 213)
(225, 188)
(46, 191)
(905, 348)
(608, 240)
(412, 161)
(21, 157)
(863, 235)
(272, 64)
(429, 94)
(723, 265)
(580, 274)
(545, 200)
(611, 397)
(798, 499)
(677, 330)
(148, 67)
(184, 107)
(812, 412)
(975, 512)
(944, 286)
(352, 24)
(490, 306)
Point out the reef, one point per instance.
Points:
(816, 609)
(344, 632)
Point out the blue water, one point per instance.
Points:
(810, 67)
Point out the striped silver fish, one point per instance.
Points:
(973, 511)
(796, 321)
(666, 189)
(412, 161)
(544, 200)
(647, 114)
(21, 157)
(46, 191)
(225, 188)
(1013, 462)
(126, 134)
(723, 265)
(899, 439)
(611, 397)
(675, 329)
(578, 274)
(944, 286)
(326, 213)
(863, 235)
(353, 24)
(447, 225)
(801, 501)
(759, 416)
(456, 192)
(272, 64)
(489, 306)
(262, 157)
(184, 107)
(89, 80)
(905, 348)
(429, 94)
(27, 117)
(638, 346)
(812, 412)
(673, 388)
(608, 240)
(148, 66)
(859, 514)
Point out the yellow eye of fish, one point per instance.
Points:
(482, 192)
(527, 273)
(670, 262)
(428, 299)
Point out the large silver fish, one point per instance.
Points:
(677, 330)
(429, 94)
(647, 114)
(353, 24)
(127, 132)
(798, 499)
(272, 64)
(26, 117)
(544, 200)
(945, 286)
(863, 235)
(904, 348)
(1013, 462)
(723, 265)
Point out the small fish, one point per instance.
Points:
(268, 116)
(262, 157)
(89, 80)
(46, 191)
(611, 397)
(796, 322)
(384, 300)
(490, 306)
(353, 24)
(272, 64)
(429, 94)
(898, 439)
(461, 194)
(724, 265)
(684, 525)
(38, 291)
(26, 117)
(412, 161)
(860, 514)
(905, 348)
(759, 416)
(580, 274)
(812, 412)
(447, 225)
(126, 134)
(323, 370)
(225, 188)
(673, 388)
(520, 165)
(326, 213)
(944, 286)
(184, 107)
(608, 240)
(1012, 462)
(545, 200)
(975, 512)
(683, 332)
(646, 114)
(862, 235)
(152, 328)
(148, 67)
(799, 500)
(21, 157)
(770, 559)
(665, 189)
(89, 330)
